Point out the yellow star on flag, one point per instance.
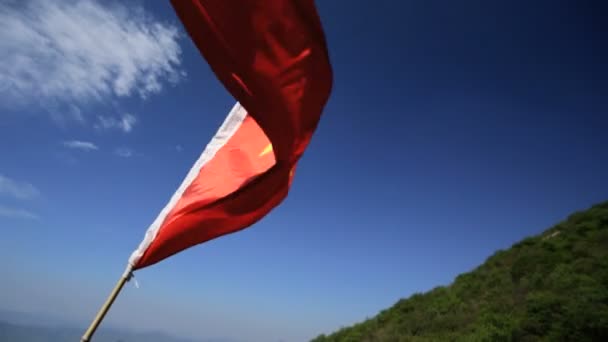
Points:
(266, 150)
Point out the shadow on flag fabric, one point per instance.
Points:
(272, 57)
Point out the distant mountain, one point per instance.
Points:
(551, 287)
(21, 327)
(22, 333)
(33, 333)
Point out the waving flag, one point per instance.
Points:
(272, 57)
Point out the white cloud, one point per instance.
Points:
(77, 51)
(17, 189)
(17, 213)
(124, 152)
(67, 114)
(80, 145)
(124, 123)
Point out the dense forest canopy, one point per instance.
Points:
(551, 287)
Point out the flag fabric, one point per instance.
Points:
(272, 57)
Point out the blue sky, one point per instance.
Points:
(453, 130)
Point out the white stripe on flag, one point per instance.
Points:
(230, 125)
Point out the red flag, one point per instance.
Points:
(272, 57)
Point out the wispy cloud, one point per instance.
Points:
(17, 189)
(69, 114)
(124, 152)
(179, 148)
(80, 145)
(124, 123)
(17, 213)
(77, 51)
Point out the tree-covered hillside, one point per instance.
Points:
(552, 287)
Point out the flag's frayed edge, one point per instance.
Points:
(230, 125)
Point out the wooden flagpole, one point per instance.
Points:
(106, 306)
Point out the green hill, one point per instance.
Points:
(551, 287)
